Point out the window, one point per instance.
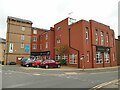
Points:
(46, 36)
(64, 57)
(34, 46)
(88, 60)
(40, 46)
(98, 57)
(96, 37)
(46, 44)
(87, 35)
(22, 37)
(58, 28)
(106, 57)
(35, 39)
(72, 59)
(22, 45)
(58, 40)
(107, 39)
(102, 38)
(23, 28)
(34, 31)
(57, 57)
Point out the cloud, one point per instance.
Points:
(45, 13)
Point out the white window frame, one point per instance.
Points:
(34, 46)
(46, 45)
(35, 40)
(88, 57)
(58, 28)
(58, 41)
(87, 34)
(96, 37)
(22, 45)
(23, 28)
(106, 57)
(102, 37)
(34, 31)
(22, 37)
(107, 39)
(46, 36)
(98, 58)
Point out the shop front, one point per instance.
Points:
(102, 55)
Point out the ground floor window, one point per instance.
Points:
(58, 57)
(106, 57)
(98, 57)
(73, 59)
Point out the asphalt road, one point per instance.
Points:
(23, 78)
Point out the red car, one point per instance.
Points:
(36, 63)
(50, 63)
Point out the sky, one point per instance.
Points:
(46, 13)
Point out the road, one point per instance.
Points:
(36, 78)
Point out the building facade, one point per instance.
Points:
(118, 50)
(42, 43)
(91, 44)
(18, 39)
(2, 49)
(82, 44)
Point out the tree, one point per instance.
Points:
(62, 50)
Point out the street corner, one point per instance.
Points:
(112, 84)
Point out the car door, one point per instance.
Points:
(53, 64)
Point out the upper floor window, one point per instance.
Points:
(46, 36)
(22, 37)
(34, 46)
(87, 34)
(107, 41)
(102, 38)
(23, 28)
(58, 40)
(40, 46)
(96, 34)
(34, 31)
(22, 45)
(58, 28)
(35, 39)
(46, 44)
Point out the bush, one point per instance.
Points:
(62, 62)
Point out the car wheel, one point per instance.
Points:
(58, 66)
(27, 65)
(46, 66)
(38, 66)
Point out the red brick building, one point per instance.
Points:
(42, 43)
(91, 44)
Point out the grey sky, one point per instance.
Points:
(46, 13)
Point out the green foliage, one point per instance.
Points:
(63, 62)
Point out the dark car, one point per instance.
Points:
(12, 63)
(28, 62)
(50, 63)
(37, 63)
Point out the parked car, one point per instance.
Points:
(28, 62)
(37, 63)
(12, 63)
(50, 63)
(23, 61)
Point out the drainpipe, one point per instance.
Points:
(74, 48)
